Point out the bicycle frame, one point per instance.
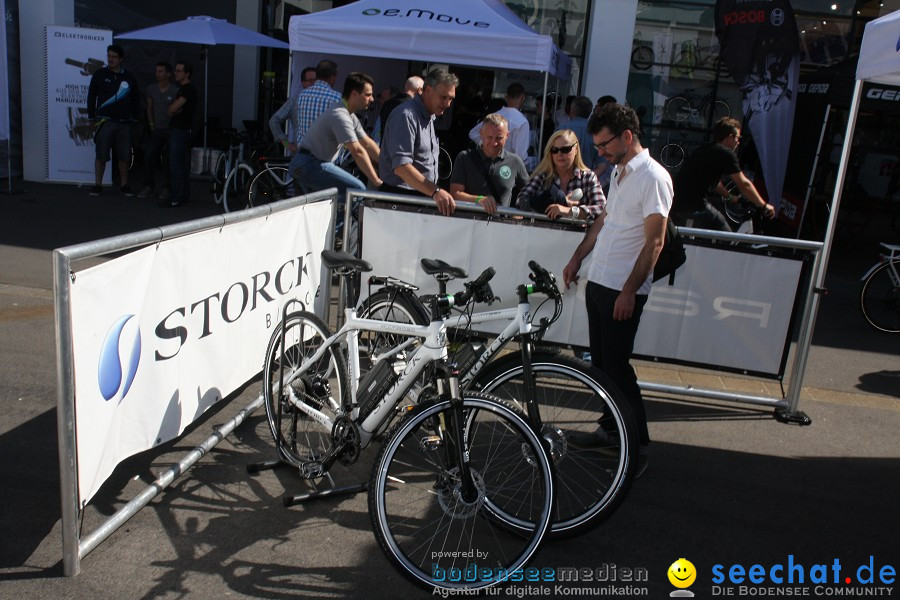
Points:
(433, 349)
(890, 257)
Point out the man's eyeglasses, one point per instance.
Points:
(602, 145)
(563, 149)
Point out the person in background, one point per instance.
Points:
(412, 88)
(113, 105)
(409, 149)
(554, 181)
(488, 175)
(181, 117)
(703, 170)
(159, 96)
(307, 77)
(519, 130)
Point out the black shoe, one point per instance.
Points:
(171, 203)
(96, 190)
(596, 439)
(127, 191)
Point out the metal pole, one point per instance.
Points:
(539, 151)
(65, 424)
(812, 173)
(818, 280)
(165, 479)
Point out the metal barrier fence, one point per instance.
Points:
(76, 547)
(785, 407)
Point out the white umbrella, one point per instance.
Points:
(207, 31)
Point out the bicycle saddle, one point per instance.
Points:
(433, 266)
(333, 260)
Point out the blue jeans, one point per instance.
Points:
(313, 175)
(180, 164)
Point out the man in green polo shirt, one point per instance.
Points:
(488, 174)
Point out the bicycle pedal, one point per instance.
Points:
(312, 470)
(430, 443)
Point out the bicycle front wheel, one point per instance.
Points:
(880, 298)
(671, 155)
(574, 398)
(423, 520)
(678, 109)
(234, 195)
(219, 176)
(269, 185)
(322, 386)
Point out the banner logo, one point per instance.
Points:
(777, 17)
(419, 13)
(110, 376)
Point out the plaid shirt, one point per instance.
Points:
(311, 103)
(593, 201)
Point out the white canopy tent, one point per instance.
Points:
(879, 62)
(480, 33)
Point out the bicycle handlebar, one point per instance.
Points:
(477, 289)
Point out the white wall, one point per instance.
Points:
(34, 15)
(608, 54)
(245, 96)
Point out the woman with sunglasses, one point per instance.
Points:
(552, 186)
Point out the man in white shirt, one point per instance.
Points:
(519, 130)
(626, 241)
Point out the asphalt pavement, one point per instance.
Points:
(728, 487)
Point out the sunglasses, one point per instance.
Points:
(563, 149)
(602, 145)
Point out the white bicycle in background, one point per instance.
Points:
(879, 298)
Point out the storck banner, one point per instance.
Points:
(163, 333)
(760, 46)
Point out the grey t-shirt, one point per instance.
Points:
(161, 101)
(409, 138)
(330, 131)
(507, 172)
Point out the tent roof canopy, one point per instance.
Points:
(482, 33)
(879, 57)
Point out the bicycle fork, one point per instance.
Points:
(455, 432)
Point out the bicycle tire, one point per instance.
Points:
(269, 185)
(879, 299)
(234, 196)
(219, 176)
(573, 397)
(384, 305)
(678, 109)
(419, 518)
(298, 437)
(445, 165)
(719, 109)
(671, 155)
(642, 58)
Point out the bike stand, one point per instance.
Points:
(316, 494)
(792, 418)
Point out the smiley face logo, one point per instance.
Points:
(682, 573)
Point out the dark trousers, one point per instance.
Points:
(612, 343)
(180, 164)
(157, 154)
(393, 189)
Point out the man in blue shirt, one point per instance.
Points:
(409, 149)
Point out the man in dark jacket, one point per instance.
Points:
(114, 103)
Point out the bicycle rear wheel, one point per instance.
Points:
(573, 398)
(234, 196)
(219, 176)
(298, 436)
(880, 299)
(420, 517)
(269, 185)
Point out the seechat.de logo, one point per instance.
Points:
(119, 358)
